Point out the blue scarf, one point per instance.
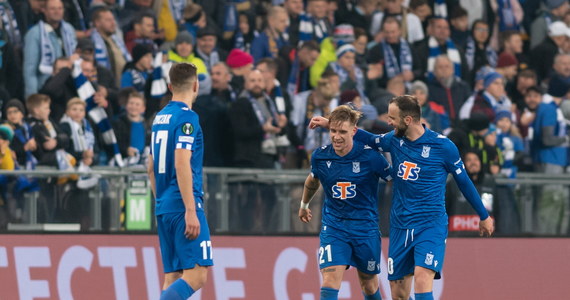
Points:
(82, 24)
(311, 29)
(81, 134)
(48, 55)
(470, 54)
(257, 108)
(391, 62)
(343, 76)
(177, 9)
(293, 81)
(101, 55)
(507, 20)
(440, 9)
(158, 86)
(139, 79)
(10, 24)
(24, 134)
(435, 51)
(86, 92)
(231, 20)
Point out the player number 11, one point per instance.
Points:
(206, 248)
(322, 250)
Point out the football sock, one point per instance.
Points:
(179, 290)
(329, 293)
(375, 296)
(424, 296)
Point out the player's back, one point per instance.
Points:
(175, 127)
(350, 184)
(420, 174)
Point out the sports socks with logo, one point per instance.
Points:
(424, 296)
(179, 290)
(329, 293)
(375, 296)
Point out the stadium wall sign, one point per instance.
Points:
(281, 268)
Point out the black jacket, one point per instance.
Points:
(542, 58)
(41, 133)
(215, 124)
(122, 127)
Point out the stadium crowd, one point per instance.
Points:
(80, 81)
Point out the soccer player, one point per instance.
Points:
(349, 172)
(418, 222)
(175, 172)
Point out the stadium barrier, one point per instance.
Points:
(121, 266)
(249, 201)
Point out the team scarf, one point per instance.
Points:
(209, 60)
(293, 81)
(311, 29)
(470, 54)
(176, 9)
(391, 62)
(101, 54)
(86, 91)
(24, 133)
(257, 108)
(10, 24)
(440, 9)
(279, 99)
(81, 134)
(435, 51)
(48, 55)
(507, 20)
(343, 76)
(160, 78)
(139, 78)
(231, 20)
(80, 15)
(501, 104)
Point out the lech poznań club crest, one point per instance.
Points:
(356, 167)
(187, 128)
(425, 151)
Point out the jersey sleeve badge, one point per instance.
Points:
(187, 128)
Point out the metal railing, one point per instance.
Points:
(248, 201)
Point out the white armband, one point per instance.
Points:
(304, 205)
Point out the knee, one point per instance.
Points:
(331, 279)
(369, 285)
(197, 279)
(400, 295)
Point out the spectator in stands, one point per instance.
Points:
(294, 9)
(296, 69)
(434, 115)
(23, 143)
(137, 71)
(10, 68)
(215, 11)
(60, 87)
(392, 56)
(141, 33)
(268, 68)
(561, 67)
(314, 25)
(411, 27)
(105, 77)
(446, 89)
(553, 12)
(361, 15)
(245, 33)
(422, 10)
(241, 64)
(183, 52)
(256, 122)
(44, 43)
(438, 42)
(542, 56)
(131, 10)
(478, 51)
(507, 65)
(75, 14)
(460, 27)
(28, 13)
(524, 80)
(207, 49)
(350, 75)
(511, 42)
(133, 133)
(489, 101)
(268, 42)
(110, 50)
(343, 35)
(360, 46)
(74, 124)
(532, 99)
(549, 150)
(221, 87)
(509, 142)
(8, 203)
(194, 19)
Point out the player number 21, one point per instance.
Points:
(206, 249)
(161, 138)
(322, 250)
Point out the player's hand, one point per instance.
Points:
(192, 225)
(486, 227)
(319, 122)
(305, 215)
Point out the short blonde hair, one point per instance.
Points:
(75, 101)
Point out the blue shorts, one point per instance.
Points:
(179, 253)
(339, 249)
(423, 247)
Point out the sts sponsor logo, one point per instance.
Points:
(343, 190)
(408, 171)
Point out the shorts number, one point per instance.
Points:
(390, 266)
(322, 250)
(161, 138)
(206, 249)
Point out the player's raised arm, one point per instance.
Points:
(311, 186)
(185, 183)
(319, 122)
(454, 165)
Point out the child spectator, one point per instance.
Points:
(133, 134)
(7, 162)
(509, 142)
(23, 143)
(137, 71)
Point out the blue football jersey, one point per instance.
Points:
(419, 173)
(350, 184)
(175, 127)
